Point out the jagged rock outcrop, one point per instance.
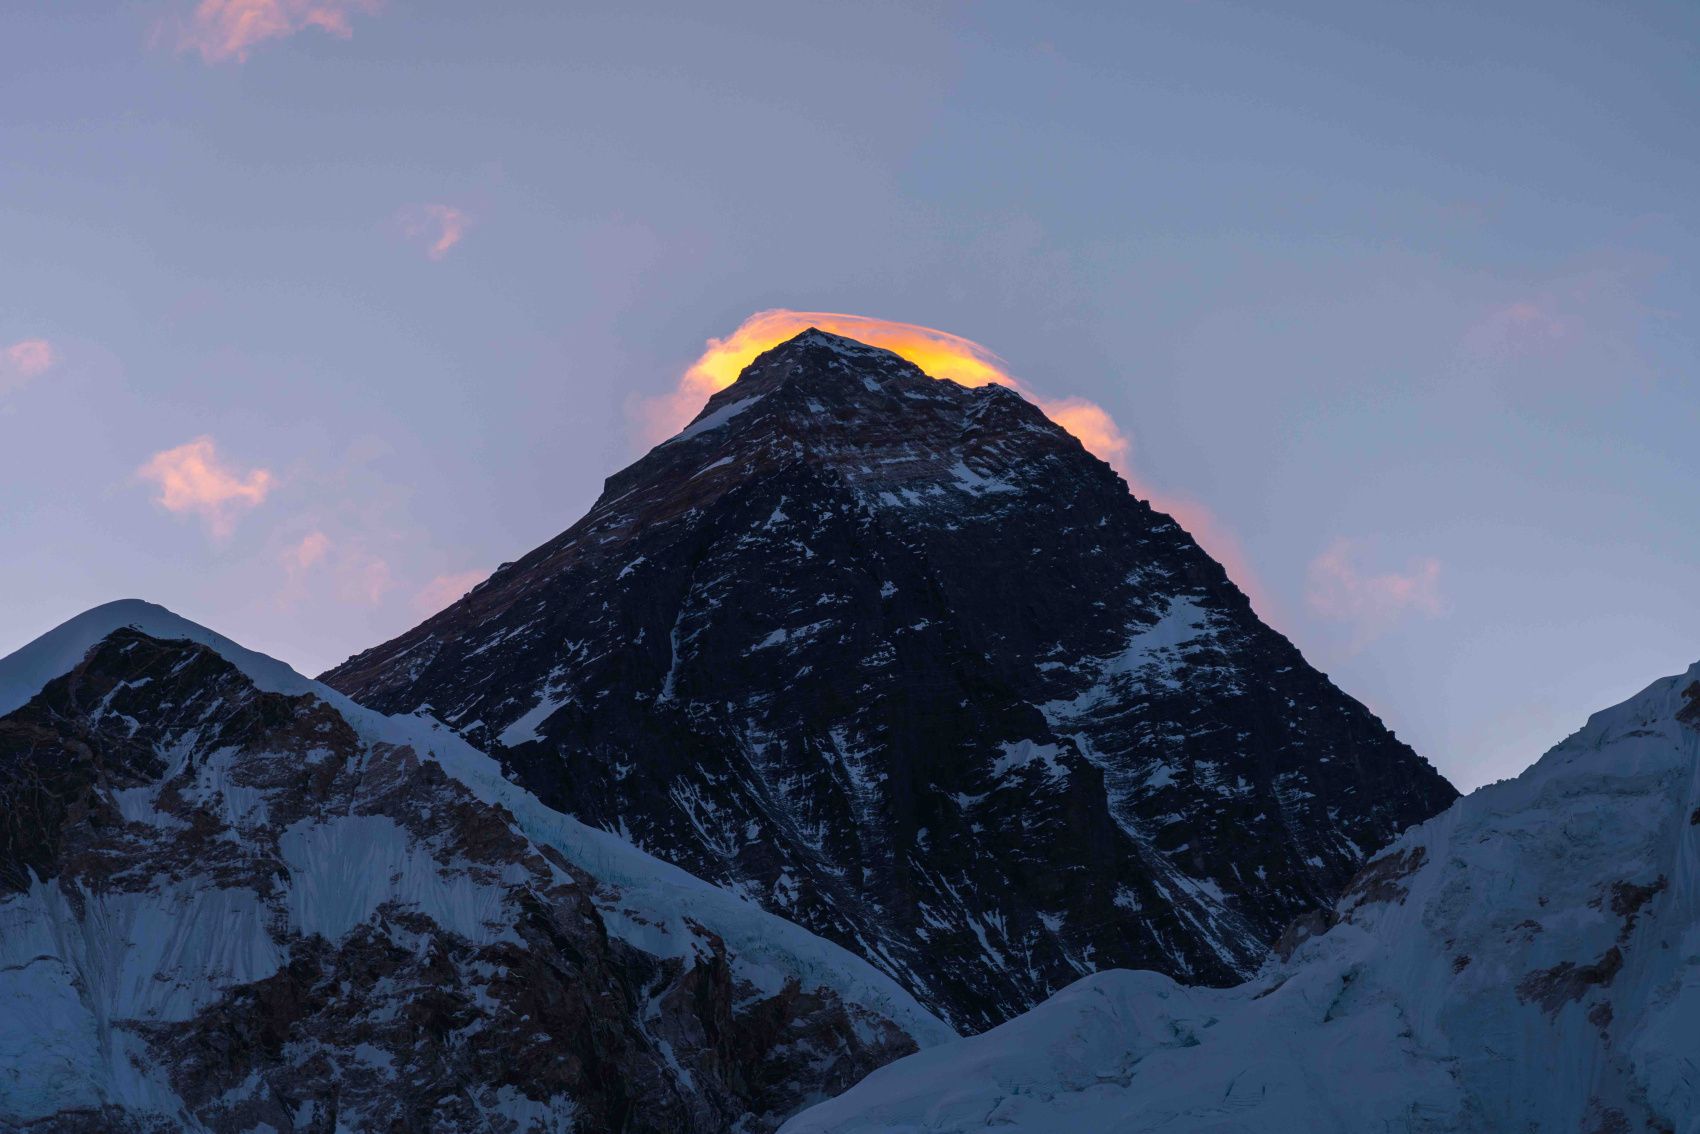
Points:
(232, 900)
(904, 663)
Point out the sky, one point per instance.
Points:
(312, 312)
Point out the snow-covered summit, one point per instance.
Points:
(1528, 960)
(24, 671)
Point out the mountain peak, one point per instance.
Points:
(836, 640)
(24, 671)
(816, 359)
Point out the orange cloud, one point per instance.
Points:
(1337, 589)
(191, 478)
(948, 356)
(446, 589)
(225, 30)
(442, 226)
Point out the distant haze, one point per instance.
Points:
(314, 311)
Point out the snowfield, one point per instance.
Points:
(1529, 960)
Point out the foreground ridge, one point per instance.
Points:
(901, 661)
(1528, 960)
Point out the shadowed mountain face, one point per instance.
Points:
(903, 662)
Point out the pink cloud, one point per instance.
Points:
(1525, 327)
(1337, 589)
(298, 560)
(308, 553)
(30, 357)
(192, 478)
(352, 573)
(441, 226)
(363, 578)
(1526, 323)
(445, 589)
(222, 31)
(1218, 542)
(24, 360)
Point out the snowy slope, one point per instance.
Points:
(1527, 961)
(230, 896)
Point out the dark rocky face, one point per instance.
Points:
(904, 663)
(277, 919)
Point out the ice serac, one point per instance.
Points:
(1527, 961)
(233, 900)
(903, 662)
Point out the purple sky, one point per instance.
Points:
(313, 311)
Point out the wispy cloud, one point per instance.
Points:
(225, 31)
(445, 589)
(439, 227)
(1338, 589)
(192, 479)
(308, 553)
(25, 360)
(1523, 327)
(365, 578)
(299, 558)
(342, 567)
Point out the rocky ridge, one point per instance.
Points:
(232, 900)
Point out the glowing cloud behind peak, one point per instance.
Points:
(939, 353)
(942, 355)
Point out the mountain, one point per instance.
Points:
(233, 900)
(902, 662)
(1529, 960)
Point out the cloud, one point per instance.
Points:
(223, 31)
(24, 360)
(441, 226)
(1525, 327)
(352, 572)
(308, 553)
(363, 578)
(444, 590)
(191, 478)
(1337, 589)
(298, 559)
